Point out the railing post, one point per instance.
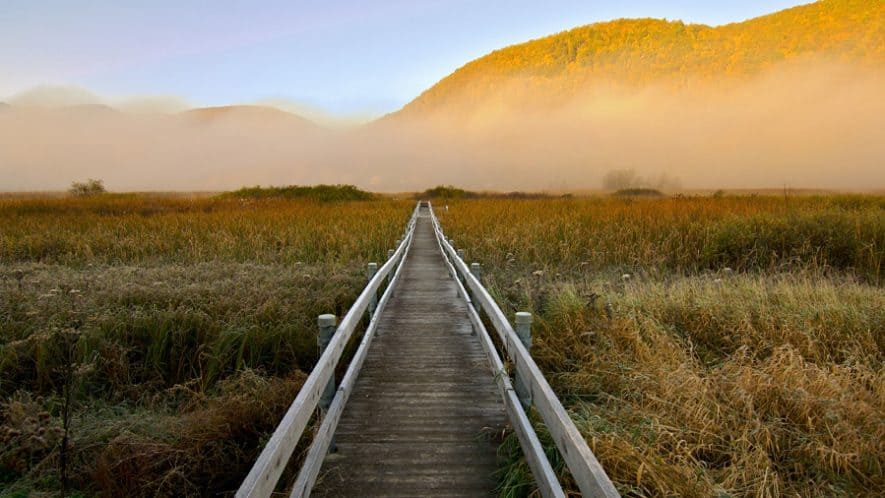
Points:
(373, 300)
(327, 330)
(460, 253)
(524, 332)
(476, 270)
(391, 272)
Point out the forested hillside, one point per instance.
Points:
(637, 52)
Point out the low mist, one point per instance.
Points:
(805, 125)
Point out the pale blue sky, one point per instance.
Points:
(345, 56)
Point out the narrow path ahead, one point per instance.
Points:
(425, 416)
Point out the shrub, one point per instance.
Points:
(639, 192)
(88, 188)
(446, 192)
(324, 193)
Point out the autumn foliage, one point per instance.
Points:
(638, 52)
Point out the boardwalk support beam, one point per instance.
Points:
(476, 270)
(524, 332)
(389, 275)
(373, 300)
(327, 330)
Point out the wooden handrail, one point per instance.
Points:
(585, 468)
(263, 477)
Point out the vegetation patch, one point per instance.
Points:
(450, 192)
(703, 346)
(447, 192)
(88, 188)
(323, 193)
(179, 330)
(639, 192)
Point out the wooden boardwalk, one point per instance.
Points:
(425, 416)
(418, 411)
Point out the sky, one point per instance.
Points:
(344, 57)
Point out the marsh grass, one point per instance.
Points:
(677, 235)
(140, 230)
(704, 347)
(196, 321)
(728, 346)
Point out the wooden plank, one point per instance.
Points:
(263, 477)
(585, 468)
(423, 417)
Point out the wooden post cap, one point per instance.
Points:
(327, 320)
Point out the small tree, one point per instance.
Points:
(625, 179)
(620, 179)
(87, 188)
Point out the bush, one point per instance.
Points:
(451, 192)
(447, 192)
(88, 188)
(639, 192)
(324, 193)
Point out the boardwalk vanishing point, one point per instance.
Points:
(426, 399)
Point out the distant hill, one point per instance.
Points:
(47, 147)
(87, 109)
(639, 52)
(55, 96)
(246, 114)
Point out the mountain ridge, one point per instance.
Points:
(634, 53)
(247, 113)
(252, 113)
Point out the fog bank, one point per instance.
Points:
(808, 125)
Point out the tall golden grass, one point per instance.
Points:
(705, 347)
(139, 229)
(680, 234)
(192, 322)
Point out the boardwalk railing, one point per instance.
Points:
(586, 470)
(262, 479)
